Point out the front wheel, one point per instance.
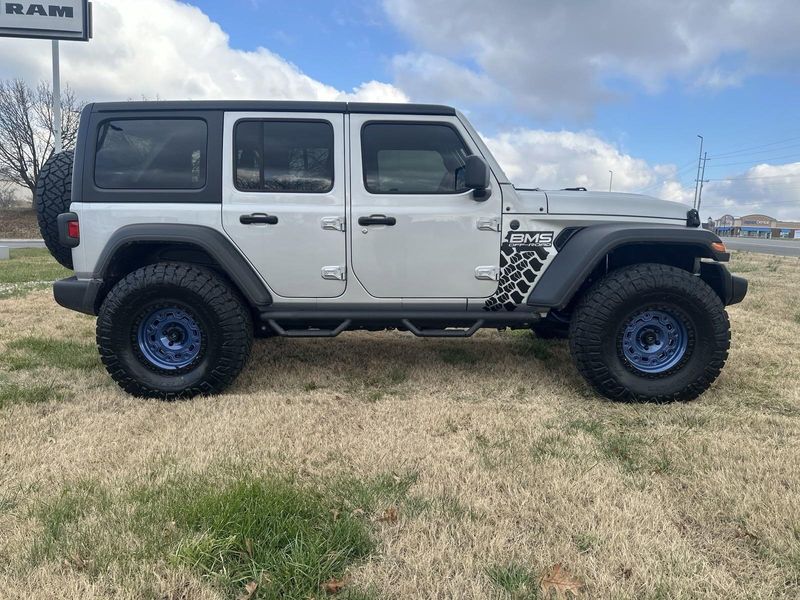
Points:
(650, 332)
(173, 331)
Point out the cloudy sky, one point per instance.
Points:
(563, 91)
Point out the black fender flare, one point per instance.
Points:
(586, 247)
(218, 246)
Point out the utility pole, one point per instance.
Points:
(56, 98)
(702, 181)
(610, 179)
(697, 179)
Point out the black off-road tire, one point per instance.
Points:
(225, 324)
(53, 196)
(598, 322)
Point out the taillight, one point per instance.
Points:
(69, 231)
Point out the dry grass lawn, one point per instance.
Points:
(472, 465)
(19, 223)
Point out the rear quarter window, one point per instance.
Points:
(165, 154)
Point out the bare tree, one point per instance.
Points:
(27, 132)
(7, 196)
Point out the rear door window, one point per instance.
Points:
(161, 154)
(283, 156)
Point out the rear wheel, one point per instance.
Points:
(173, 331)
(650, 332)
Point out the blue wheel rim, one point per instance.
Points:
(654, 341)
(169, 338)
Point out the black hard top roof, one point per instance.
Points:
(277, 106)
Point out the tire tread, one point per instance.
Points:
(233, 318)
(52, 197)
(595, 309)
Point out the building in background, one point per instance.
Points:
(758, 226)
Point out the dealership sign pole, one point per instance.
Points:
(55, 20)
(56, 96)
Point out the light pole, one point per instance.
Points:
(702, 181)
(610, 178)
(697, 179)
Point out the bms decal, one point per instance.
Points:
(522, 255)
(526, 241)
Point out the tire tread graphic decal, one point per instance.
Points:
(520, 264)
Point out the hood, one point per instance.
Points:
(566, 202)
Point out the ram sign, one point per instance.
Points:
(55, 20)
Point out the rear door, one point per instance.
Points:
(416, 231)
(283, 199)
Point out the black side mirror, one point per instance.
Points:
(476, 177)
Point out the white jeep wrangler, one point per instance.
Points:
(192, 226)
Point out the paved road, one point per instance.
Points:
(781, 247)
(22, 243)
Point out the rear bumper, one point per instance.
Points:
(731, 288)
(77, 294)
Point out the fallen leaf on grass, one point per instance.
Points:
(559, 581)
(76, 561)
(171, 526)
(743, 532)
(249, 591)
(333, 586)
(389, 515)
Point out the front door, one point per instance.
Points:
(283, 199)
(417, 232)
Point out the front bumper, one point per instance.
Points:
(738, 289)
(78, 294)
(730, 288)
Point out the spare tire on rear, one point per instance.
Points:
(53, 196)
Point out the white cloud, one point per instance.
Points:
(558, 159)
(536, 55)
(558, 57)
(716, 78)
(375, 91)
(171, 50)
(765, 188)
(428, 75)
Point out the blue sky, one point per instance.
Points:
(563, 91)
(345, 43)
(340, 43)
